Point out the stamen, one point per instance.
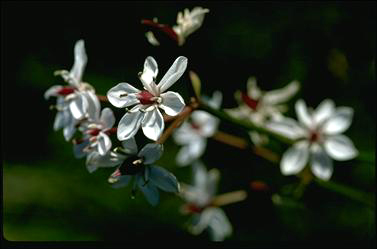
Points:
(123, 95)
(139, 161)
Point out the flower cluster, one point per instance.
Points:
(316, 137)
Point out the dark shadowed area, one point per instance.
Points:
(48, 195)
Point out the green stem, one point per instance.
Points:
(349, 192)
(244, 124)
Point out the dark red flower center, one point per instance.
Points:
(314, 136)
(250, 102)
(146, 98)
(94, 132)
(164, 28)
(66, 90)
(192, 208)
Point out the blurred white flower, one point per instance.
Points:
(96, 134)
(187, 22)
(318, 136)
(258, 106)
(72, 100)
(146, 113)
(193, 133)
(201, 202)
(137, 165)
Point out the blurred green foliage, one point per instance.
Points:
(48, 195)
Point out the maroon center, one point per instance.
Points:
(193, 208)
(145, 98)
(250, 102)
(164, 28)
(314, 137)
(94, 132)
(66, 90)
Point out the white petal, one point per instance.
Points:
(340, 148)
(60, 120)
(79, 106)
(149, 190)
(79, 64)
(123, 95)
(208, 124)
(129, 125)
(52, 91)
(189, 153)
(295, 158)
(172, 103)
(200, 175)
(104, 143)
(151, 38)
(252, 88)
(339, 121)
(153, 124)
(94, 160)
(94, 106)
(303, 115)
(321, 163)
(281, 95)
(215, 101)
(184, 134)
(173, 74)
(78, 149)
(219, 225)
(324, 111)
(202, 222)
(130, 146)
(212, 181)
(122, 181)
(151, 152)
(68, 131)
(287, 127)
(107, 118)
(149, 75)
(164, 179)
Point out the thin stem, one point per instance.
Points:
(368, 199)
(243, 144)
(102, 98)
(178, 121)
(244, 124)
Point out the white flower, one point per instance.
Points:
(193, 133)
(200, 203)
(187, 23)
(96, 134)
(72, 101)
(318, 135)
(258, 106)
(137, 165)
(145, 113)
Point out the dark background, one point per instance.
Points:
(49, 195)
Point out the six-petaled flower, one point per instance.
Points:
(317, 135)
(146, 113)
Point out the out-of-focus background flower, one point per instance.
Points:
(48, 195)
